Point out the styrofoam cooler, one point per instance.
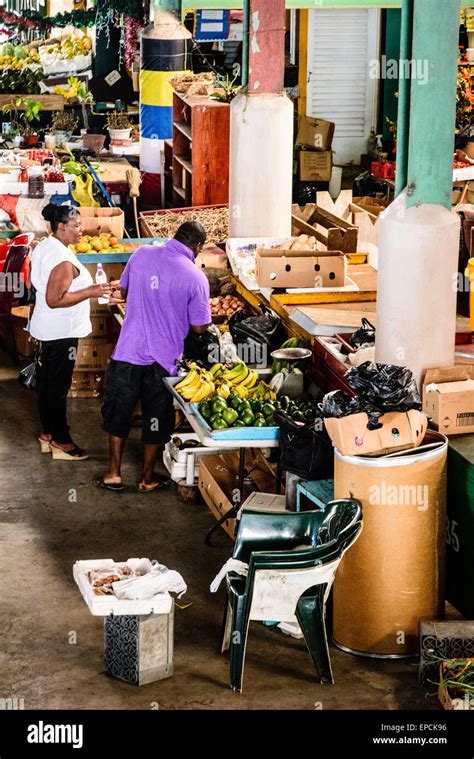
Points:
(184, 464)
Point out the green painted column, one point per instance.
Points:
(433, 102)
(403, 119)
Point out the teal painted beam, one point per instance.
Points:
(433, 102)
(245, 44)
(168, 5)
(403, 125)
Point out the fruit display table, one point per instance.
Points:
(241, 445)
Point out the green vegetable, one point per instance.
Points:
(270, 422)
(260, 422)
(219, 423)
(284, 402)
(243, 406)
(205, 409)
(218, 405)
(20, 52)
(268, 409)
(239, 423)
(255, 405)
(229, 415)
(247, 417)
(234, 401)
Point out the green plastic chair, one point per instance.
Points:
(292, 560)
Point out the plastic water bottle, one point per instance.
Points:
(101, 279)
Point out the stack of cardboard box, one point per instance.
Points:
(94, 351)
(315, 156)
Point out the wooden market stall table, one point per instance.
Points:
(361, 300)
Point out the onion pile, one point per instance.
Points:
(225, 305)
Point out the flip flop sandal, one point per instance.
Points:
(76, 454)
(116, 487)
(162, 483)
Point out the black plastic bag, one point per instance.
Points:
(388, 387)
(305, 450)
(204, 348)
(365, 335)
(367, 185)
(256, 336)
(338, 404)
(29, 377)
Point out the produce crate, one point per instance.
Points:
(150, 222)
(98, 220)
(49, 102)
(237, 433)
(338, 234)
(449, 640)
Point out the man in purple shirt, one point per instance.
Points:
(167, 295)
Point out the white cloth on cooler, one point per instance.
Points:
(159, 580)
(231, 565)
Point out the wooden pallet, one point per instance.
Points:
(49, 102)
(338, 234)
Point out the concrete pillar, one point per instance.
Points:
(419, 234)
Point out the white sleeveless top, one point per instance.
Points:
(57, 323)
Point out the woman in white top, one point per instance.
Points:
(61, 316)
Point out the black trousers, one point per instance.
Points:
(57, 365)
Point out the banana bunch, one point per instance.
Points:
(262, 392)
(240, 374)
(196, 386)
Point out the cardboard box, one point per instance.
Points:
(97, 220)
(400, 431)
(93, 357)
(24, 345)
(448, 399)
(105, 329)
(219, 478)
(315, 133)
(113, 271)
(212, 257)
(299, 268)
(86, 384)
(315, 166)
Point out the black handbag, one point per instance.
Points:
(29, 377)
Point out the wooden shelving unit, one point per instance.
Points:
(200, 161)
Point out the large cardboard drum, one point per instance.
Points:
(393, 576)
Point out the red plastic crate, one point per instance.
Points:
(383, 170)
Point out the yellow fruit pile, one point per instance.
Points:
(103, 243)
(239, 379)
(13, 63)
(69, 47)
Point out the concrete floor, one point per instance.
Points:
(43, 533)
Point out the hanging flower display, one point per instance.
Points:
(464, 97)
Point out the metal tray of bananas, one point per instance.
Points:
(170, 383)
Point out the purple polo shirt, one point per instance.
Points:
(166, 294)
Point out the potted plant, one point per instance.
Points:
(63, 125)
(77, 92)
(119, 126)
(23, 122)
